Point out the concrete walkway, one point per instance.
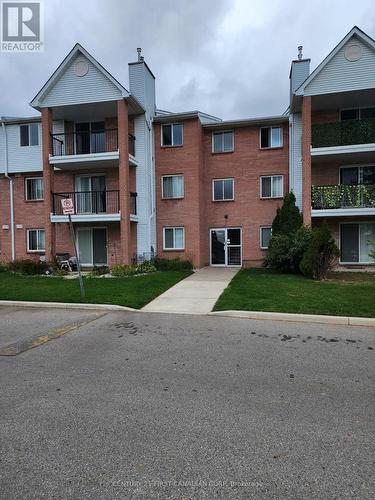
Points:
(196, 294)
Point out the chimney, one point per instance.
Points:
(142, 84)
(299, 71)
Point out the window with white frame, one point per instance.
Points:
(173, 238)
(357, 113)
(265, 236)
(355, 242)
(171, 134)
(34, 188)
(271, 137)
(222, 142)
(29, 134)
(172, 186)
(35, 240)
(271, 186)
(364, 174)
(223, 189)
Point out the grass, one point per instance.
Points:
(134, 291)
(346, 294)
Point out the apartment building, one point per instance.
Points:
(190, 185)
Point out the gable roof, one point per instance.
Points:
(355, 31)
(77, 49)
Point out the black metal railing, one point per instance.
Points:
(343, 196)
(77, 143)
(89, 202)
(133, 203)
(343, 133)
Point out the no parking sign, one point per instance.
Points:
(67, 206)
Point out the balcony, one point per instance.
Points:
(343, 200)
(93, 206)
(97, 147)
(348, 136)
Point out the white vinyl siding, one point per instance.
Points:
(271, 186)
(265, 236)
(172, 186)
(223, 189)
(34, 188)
(35, 240)
(223, 142)
(173, 238)
(271, 137)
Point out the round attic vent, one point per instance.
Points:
(81, 68)
(353, 52)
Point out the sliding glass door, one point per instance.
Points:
(92, 246)
(355, 239)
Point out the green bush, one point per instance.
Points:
(320, 255)
(285, 252)
(99, 271)
(28, 267)
(122, 270)
(146, 267)
(3, 267)
(288, 217)
(172, 264)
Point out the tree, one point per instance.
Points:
(320, 254)
(288, 217)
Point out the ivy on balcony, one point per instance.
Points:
(343, 133)
(343, 196)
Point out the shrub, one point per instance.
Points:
(99, 271)
(3, 267)
(285, 252)
(172, 264)
(122, 270)
(320, 255)
(288, 217)
(146, 267)
(28, 267)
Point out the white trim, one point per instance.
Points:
(270, 127)
(359, 263)
(213, 190)
(110, 155)
(172, 135)
(87, 218)
(342, 212)
(360, 173)
(38, 250)
(25, 187)
(172, 197)
(336, 150)
(271, 197)
(225, 246)
(221, 132)
(28, 125)
(183, 238)
(260, 236)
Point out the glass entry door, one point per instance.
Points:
(225, 247)
(92, 246)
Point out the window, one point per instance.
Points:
(29, 134)
(271, 186)
(265, 236)
(34, 188)
(354, 242)
(171, 134)
(222, 142)
(35, 240)
(271, 137)
(223, 189)
(358, 175)
(174, 238)
(357, 113)
(172, 186)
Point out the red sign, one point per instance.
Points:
(67, 206)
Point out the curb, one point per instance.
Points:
(298, 318)
(66, 305)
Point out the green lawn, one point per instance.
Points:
(135, 291)
(346, 294)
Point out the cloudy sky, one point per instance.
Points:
(230, 58)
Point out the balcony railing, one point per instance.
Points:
(343, 133)
(77, 143)
(89, 202)
(133, 203)
(343, 196)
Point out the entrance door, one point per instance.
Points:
(92, 246)
(226, 247)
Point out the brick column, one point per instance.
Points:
(123, 175)
(306, 160)
(48, 178)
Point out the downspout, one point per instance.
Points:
(11, 195)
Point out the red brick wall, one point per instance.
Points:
(197, 212)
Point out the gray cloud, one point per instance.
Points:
(230, 58)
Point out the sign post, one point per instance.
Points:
(68, 209)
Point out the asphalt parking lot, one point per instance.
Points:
(142, 405)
